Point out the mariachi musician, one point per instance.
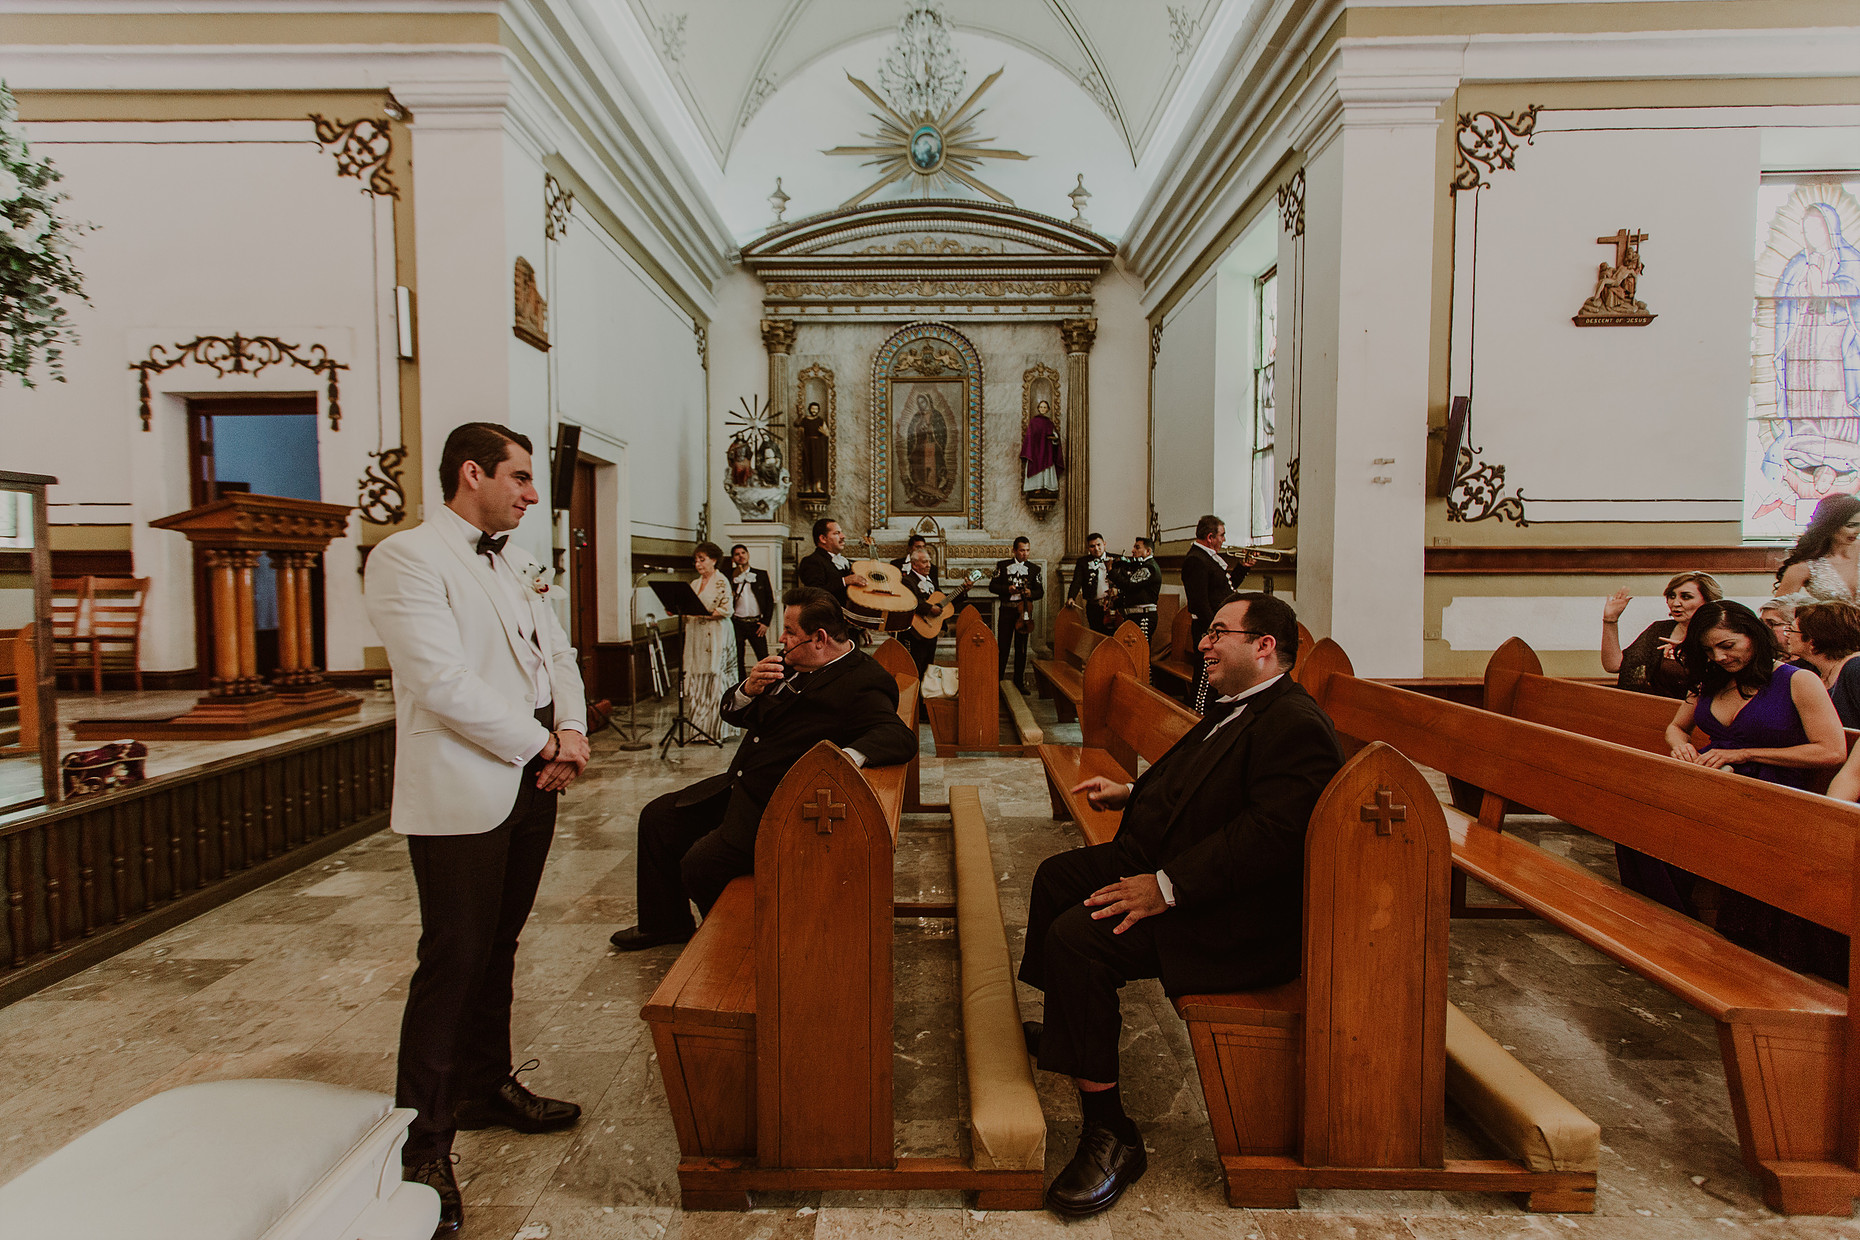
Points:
(1091, 582)
(920, 576)
(1136, 584)
(1208, 576)
(1017, 584)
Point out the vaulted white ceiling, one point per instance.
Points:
(726, 57)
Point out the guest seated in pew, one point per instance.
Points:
(1651, 663)
(1203, 885)
(1769, 720)
(817, 687)
(1779, 615)
(1828, 641)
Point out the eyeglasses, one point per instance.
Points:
(1218, 631)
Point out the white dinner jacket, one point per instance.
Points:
(464, 705)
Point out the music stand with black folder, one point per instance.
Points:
(681, 600)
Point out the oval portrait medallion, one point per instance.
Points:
(926, 148)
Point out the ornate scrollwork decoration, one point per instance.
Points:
(383, 499)
(558, 205)
(1155, 343)
(363, 148)
(702, 333)
(239, 355)
(1486, 142)
(1292, 204)
(1285, 501)
(1477, 493)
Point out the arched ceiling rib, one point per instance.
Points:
(727, 56)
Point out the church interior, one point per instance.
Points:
(988, 293)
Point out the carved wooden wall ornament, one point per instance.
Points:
(1486, 142)
(1478, 492)
(363, 148)
(1613, 304)
(558, 205)
(816, 479)
(1292, 204)
(239, 355)
(383, 498)
(532, 312)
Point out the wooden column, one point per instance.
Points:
(244, 564)
(225, 616)
(283, 569)
(1078, 335)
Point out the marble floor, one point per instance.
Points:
(306, 978)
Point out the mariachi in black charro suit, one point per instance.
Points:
(754, 583)
(1224, 815)
(825, 571)
(923, 585)
(694, 841)
(1206, 580)
(1085, 586)
(1010, 574)
(1138, 584)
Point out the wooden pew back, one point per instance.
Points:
(1791, 849)
(978, 688)
(1131, 638)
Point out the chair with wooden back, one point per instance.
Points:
(116, 627)
(71, 625)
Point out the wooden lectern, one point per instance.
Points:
(233, 531)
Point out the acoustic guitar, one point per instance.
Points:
(942, 606)
(884, 604)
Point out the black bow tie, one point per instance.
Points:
(1217, 711)
(491, 546)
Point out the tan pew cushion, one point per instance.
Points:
(1535, 1124)
(1008, 1128)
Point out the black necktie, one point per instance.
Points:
(491, 546)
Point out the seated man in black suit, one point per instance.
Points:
(1203, 885)
(694, 841)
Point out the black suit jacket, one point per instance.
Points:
(817, 570)
(1205, 584)
(852, 702)
(1082, 579)
(1234, 845)
(1138, 582)
(998, 584)
(764, 595)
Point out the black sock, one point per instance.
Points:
(1105, 1107)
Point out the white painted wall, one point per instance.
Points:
(1183, 412)
(207, 229)
(1120, 377)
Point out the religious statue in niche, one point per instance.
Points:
(929, 405)
(813, 440)
(1805, 373)
(1041, 456)
(1613, 303)
(756, 477)
(532, 312)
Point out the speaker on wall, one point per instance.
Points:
(562, 469)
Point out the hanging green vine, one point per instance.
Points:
(37, 274)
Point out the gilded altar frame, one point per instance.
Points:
(927, 354)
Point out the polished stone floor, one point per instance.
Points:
(306, 978)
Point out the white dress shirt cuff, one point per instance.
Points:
(1168, 888)
(858, 759)
(739, 700)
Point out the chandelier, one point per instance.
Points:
(923, 72)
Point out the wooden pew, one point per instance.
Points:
(774, 1026)
(1339, 1079)
(1122, 718)
(1176, 662)
(1791, 1054)
(894, 658)
(1062, 677)
(972, 722)
(1515, 685)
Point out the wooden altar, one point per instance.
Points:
(232, 532)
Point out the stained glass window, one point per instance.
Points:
(1265, 347)
(1803, 437)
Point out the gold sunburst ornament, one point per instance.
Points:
(933, 149)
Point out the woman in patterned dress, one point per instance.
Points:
(710, 646)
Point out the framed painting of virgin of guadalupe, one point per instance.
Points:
(926, 445)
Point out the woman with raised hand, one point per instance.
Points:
(1651, 662)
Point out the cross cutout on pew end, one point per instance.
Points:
(1384, 813)
(823, 811)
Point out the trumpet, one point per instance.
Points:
(1264, 555)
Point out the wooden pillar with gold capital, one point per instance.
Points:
(1078, 336)
(233, 532)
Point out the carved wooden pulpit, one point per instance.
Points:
(232, 532)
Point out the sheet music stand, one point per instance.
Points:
(681, 600)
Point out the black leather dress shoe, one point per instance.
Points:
(436, 1174)
(512, 1106)
(1098, 1174)
(633, 939)
(1031, 1031)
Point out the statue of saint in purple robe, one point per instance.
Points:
(1039, 450)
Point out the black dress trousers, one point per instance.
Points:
(746, 640)
(476, 891)
(673, 871)
(1008, 634)
(1080, 963)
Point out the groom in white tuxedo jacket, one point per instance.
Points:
(490, 727)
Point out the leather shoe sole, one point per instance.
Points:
(633, 939)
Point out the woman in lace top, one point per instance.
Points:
(1825, 561)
